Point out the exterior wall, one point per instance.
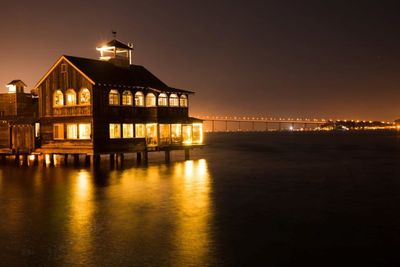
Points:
(23, 138)
(26, 105)
(63, 78)
(4, 135)
(8, 106)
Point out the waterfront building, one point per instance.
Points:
(110, 106)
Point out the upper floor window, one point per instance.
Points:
(70, 97)
(162, 100)
(58, 100)
(139, 99)
(183, 101)
(113, 98)
(150, 100)
(127, 98)
(84, 96)
(173, 100)
(115, 130)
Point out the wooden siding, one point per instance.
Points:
(23, 139)
(8, 105)
(4, 135)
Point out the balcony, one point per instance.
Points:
(72, 111)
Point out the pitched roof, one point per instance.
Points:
(16, 81)
(103, 72)
(118, 44)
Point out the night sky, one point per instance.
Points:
(322, 59)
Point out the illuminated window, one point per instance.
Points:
(150, 100)
(115, 130)
(187, 134)
(173, 100)
(197, 133)
(58, 131)
(176, 133)
(140, 131)
(183, 101)
(85, 130)
(151, 134)
(165, 134)
(162, 100)
(84, 96)
(72, 131)
(139, 99)
(113, 98)
(127, 99)
(127, 130)
(70, 96)
(58, 100)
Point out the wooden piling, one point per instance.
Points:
(16, 159)
(35, 160)
(167, 156)
(76, 159)
(65, 159)
(187, 154)
(87, 160)
(51, 159)
(25, 160)
(112, 160)
(138, 157)
(95, 160)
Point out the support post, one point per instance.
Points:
(138, 157)
(145, 157)
(24, 160)
(280, 126)
(16, 159)
(187, 154)
(226, 126)
(213, 126)
(51, 159)
(76, 159)
(120, 160)
(167, 156)
(3, 159)
(112, 160)
(266, 126)
(35, 160)
(95, 160)
(87, 160)
(239, 127)
(253, 128)
(66, 159)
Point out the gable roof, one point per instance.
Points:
(106, 73)
(118, 44)
(15, 82)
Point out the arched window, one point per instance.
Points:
(173, 100)
(70, 96)
(127, 98)
(139, 99)
(84, 96)
(150, 100)
(58, 99)
(162, 100)
(113, 98)
(183, 101)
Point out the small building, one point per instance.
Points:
(18, 119)
(110, 106)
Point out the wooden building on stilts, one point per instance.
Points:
(107, 106)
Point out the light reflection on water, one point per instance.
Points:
(153, 216)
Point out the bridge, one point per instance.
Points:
(268, 123)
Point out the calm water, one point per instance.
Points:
(249, 199)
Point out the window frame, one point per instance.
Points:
(63, 131)
(162, 100)
(80, 97)
(67, 94)
(150, 96)
(173, 100)
(58, 93)
(114, 94)
(127, 95)
(139, 99)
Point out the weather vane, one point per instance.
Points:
(114, 33)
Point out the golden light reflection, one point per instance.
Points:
(192, 188)
(81, 213)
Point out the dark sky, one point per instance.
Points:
(325, 59)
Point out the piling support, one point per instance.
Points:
(16, 159)
(280, 126)
(187, 154)
(213, 126)
(35, 160)
(51, 159)
(226, 126)
(253, 128)
(76, 159)
(95, 160)
(87, 160)
(25, 160)
(266, 126)
(3, 159)
(65, 159)
(167, 156)
(112, 160)
(239, 126)
(138, 157)
(120, 160)
(145, 157)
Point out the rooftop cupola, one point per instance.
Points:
(16, 86)
(117, 53)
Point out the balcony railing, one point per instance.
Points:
(72, 111)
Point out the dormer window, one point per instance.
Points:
(70, 97)
(150, 100)
(127, 98)
(173, 100)
(58, 99)
(84, 97)
(113, 98)
(64, 67)
(139, 99)
(162, 100)
(183, 101)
